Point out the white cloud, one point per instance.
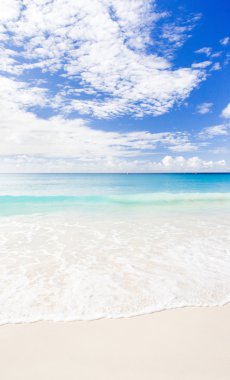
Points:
(216, 67)
(213, 66)
(9, 10)
(184, 147)
(23, 133)
(24, 163)
(226, 112)
(217, 54)
(176, 35)
(220, 150)
(177, 32)
(225, 41)
(30, 143)
(93, 57)
(57, 143)
(60, 145)
(191, 164)
(205, 50)
(201, 65)
(99, 46)
(216, 130)
(204, 108)
(18, 94)
(208, 52)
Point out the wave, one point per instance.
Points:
(145, 198)
(66, 268)
(171, 197)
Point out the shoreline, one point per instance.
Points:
(188, 343)
(144, 314)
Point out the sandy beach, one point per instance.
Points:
(182, 344)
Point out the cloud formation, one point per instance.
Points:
(205, 50)
(192, 164)
(62, 60)
(204, 108)
(24, 133)
(31, 144)
(226, 112)
(225, 41)
(214, 131)
(24, 163)
(101, 51)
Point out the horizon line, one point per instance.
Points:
(113, 173)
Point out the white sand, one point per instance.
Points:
(183, 344)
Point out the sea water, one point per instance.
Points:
(87, 246)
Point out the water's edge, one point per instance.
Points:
(101, 318)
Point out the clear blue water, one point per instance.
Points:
(105, 184)
(86, 246)
(28, 193)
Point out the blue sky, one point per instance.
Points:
(114, 86)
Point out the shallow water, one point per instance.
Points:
(90, 246)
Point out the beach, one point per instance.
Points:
(181, 344)
(113, 277)
(114, 190)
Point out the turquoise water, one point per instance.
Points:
(32, 193)
(82, 247)
(101, 184)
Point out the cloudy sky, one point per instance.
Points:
(114, 85)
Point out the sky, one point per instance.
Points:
(114, 86)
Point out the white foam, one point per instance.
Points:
(74, 267)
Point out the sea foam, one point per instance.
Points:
(76, 266)
(82, 247)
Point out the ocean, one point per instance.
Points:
(89, 246)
